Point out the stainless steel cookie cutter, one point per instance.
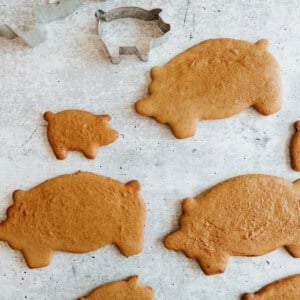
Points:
(32, 37)
(52, 11)
(136, 13)
(44, 14)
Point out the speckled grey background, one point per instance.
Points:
(72, 70)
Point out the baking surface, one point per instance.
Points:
(72, 71)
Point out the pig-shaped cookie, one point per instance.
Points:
(78, 130)
(121, 290)
(77, 213)
(284, 289)
(215, 79)
(295, 148)
(248, 215)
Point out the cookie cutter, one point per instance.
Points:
(32, 37)
(44, 14)
(135, 13)
(53, 11)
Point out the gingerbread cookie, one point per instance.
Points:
(215, 79)
(284, 289)
(249, 215)
(295, 148)
(78, 130)
(121, 290)
(77, 213)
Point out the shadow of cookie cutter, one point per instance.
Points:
(135, 13)
(44, 14)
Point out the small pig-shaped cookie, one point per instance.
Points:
(77, 213)
(77, 130)
(295, 148)
(215, 79)
(284, 289)
(121, 290)
(248, 215)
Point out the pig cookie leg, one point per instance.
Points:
(268, 107)
(60, 152)
(37, 258)
(128, 249)
(212, 264)
(90, 152)
(184, 128)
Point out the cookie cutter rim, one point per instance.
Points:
(134, 13)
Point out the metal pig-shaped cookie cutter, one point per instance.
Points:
(136, 13)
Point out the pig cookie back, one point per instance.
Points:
(284, 289)
(121, 290)
(249, 215)
(295, 148)
(77, 130)
(76, 213)
(215, 79)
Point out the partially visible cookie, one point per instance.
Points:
(284, 289)
(121, 290)
(248, 215)
(78, 130)
(76, 213)
(295, 148)
(215, 79)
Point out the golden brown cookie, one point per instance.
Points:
(248, 215)
(284, 289)
(215, 79)
(77, 213)
(295, 148)
(78, 130)
(121, 290)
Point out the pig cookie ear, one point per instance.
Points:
(188, 204)
(297, 126)
(134, 184)
(48, 116)
(18, 195)
(105, 117)
(262, 44)
(133, 280)
(155, 72)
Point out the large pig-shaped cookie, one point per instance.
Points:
(212, 80)
(248, 215)
(76, 213)
(295, 148)
(121, 290)
(284, 289)
(78, 130)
